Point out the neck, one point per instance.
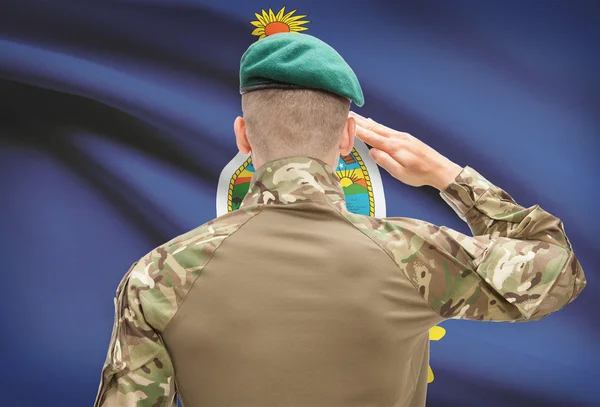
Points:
(295, 179)
(330, 159)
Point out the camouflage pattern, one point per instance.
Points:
(138, 370)
(292, 180)
(530, 259)
(518, 266)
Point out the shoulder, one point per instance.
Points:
(415, 233)
(416, 241)
(391, 229)
(206, 237)
(390, 234)
(162, 278)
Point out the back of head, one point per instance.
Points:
(290, 122)
(296, 94)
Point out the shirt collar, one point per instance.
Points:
(295, 179)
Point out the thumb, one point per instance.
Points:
(387, 162)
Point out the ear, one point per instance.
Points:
(347, 140)
(241, 138)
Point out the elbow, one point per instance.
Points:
(572, 281)
(576, 277)
(569, 283)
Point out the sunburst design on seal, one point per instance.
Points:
(269, 23)
(351, 170)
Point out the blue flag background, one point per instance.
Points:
(116, 121)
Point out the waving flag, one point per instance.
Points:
(116, 136)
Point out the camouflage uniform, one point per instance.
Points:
(293, 300)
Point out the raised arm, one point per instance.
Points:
(521, 255)
(519, 265)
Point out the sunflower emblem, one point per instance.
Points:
(269, 23)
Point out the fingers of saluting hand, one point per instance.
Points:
(373, 138)
(370, 124)
(372, 133)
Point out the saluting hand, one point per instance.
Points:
(406, 158)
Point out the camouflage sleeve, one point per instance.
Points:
(518, 266)
(138, 370)
(523, 266)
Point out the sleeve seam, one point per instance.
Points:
(199, 274)
(395, 262)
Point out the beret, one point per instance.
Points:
(291, 60)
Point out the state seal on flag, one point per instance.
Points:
(358, 173)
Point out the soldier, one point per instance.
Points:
(294, 300)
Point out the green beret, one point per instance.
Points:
(293, 60)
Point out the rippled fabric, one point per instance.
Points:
(116, 120)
